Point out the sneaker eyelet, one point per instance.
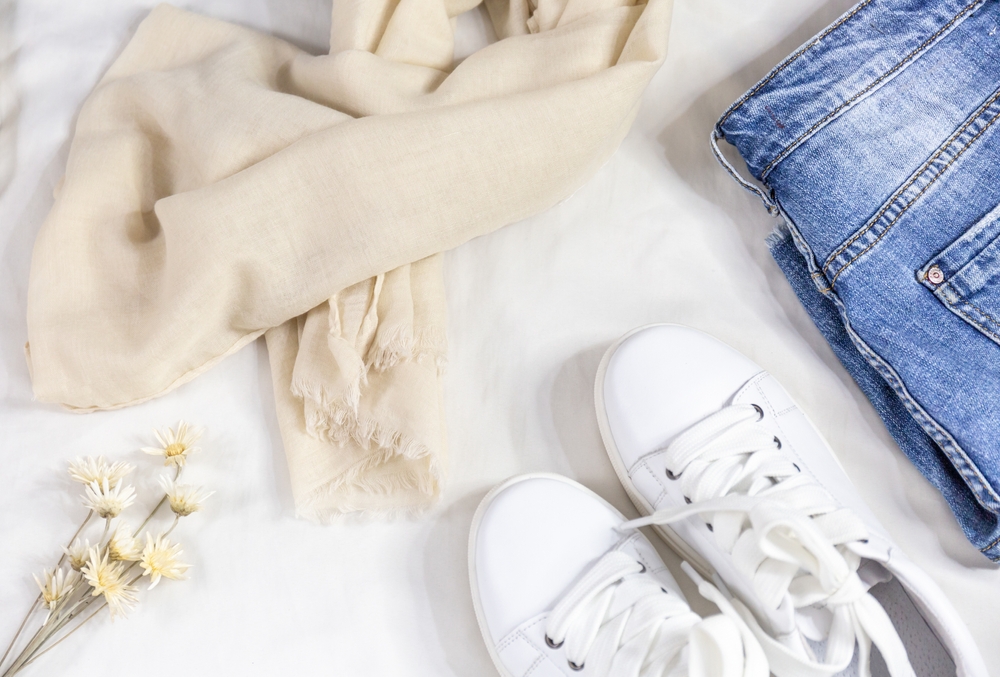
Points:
(777, 441)
(687, 500)
(760, 412)
(709, 525)
(574, 666)
(672, 476)
(797, 468)
(643, 569)
(552, 645)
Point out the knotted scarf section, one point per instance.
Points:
(223, 184)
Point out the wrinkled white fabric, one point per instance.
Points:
(618, 620)
(787, 534)
(222, 184)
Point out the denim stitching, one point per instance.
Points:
(992, 545)
(972, 476)
(787, 62)
(938, 434)
(955, 306)
(804, 250)
(909, 57)
(976, 324)
(913, 179)
(983, 312)
(766, 199)
(915, 197)
(963, 464)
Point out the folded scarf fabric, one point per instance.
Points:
(222, 184)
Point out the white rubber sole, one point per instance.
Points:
(668, 535)
(473, 537)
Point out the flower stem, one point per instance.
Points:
(38, 599)
(58, 641)
(69, 613)
(86, 520)
(150, 516)
(33, 643)
(152, 512)
(20, 628)
(38, 641)
(107, 527)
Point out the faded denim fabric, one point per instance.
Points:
(877, 144)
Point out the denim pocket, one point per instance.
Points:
(966, 276)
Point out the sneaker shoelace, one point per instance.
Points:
(617, 620)
(787, 534)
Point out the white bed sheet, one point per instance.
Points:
(660, 234)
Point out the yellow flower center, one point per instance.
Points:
(175, 449)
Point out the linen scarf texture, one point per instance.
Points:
(223, 184)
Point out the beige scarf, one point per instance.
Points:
(223, 184)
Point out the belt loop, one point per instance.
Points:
(772, 208)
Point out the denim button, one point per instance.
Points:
(934, 275)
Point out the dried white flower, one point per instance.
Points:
(57, 586)
(78, 552)
(159, 559)
(106, 500)
(175, 445)
(90, 469)
(108, 579)
(184, 498)
(123, 546)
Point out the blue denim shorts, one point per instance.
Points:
(877, 144)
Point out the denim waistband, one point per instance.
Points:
(860, 52)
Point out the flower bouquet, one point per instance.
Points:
(87, 579)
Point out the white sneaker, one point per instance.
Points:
(560, 591)
(737, 480)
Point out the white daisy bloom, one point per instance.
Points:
(56, 586)
(123, 546)
(107, 500)
(108, 578)
(159, 559)
(89, 469)
(184, 498)
(78, 552)
(175, 445)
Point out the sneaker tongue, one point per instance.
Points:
(872, 573)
